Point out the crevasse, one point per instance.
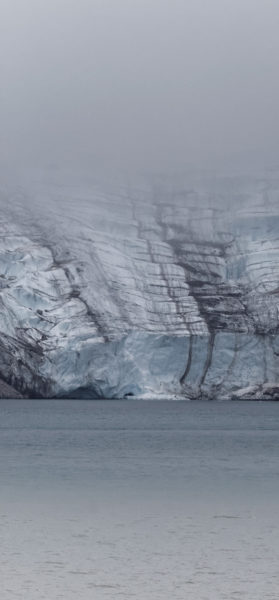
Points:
(153, 289)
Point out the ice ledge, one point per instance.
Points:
(141, 365)
(161, 366)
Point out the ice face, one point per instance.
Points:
(151, 289)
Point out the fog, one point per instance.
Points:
(144, 83)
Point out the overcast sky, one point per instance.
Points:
(152, 83)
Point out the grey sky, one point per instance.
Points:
(152, 83)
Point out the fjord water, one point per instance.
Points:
(144, 500)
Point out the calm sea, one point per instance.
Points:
(139, 500)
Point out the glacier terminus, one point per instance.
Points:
(163, 288)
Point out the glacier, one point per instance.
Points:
(163, 287)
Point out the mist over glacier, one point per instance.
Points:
(147, 288)
(163, 284)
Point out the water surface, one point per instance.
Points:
(144, 500)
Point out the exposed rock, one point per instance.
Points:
(8, 392)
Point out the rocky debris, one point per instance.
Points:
(7, 392)
(261, 392)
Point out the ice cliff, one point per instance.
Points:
(155, 289)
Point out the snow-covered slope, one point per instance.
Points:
(154, 289)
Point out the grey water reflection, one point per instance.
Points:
(129, 499)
